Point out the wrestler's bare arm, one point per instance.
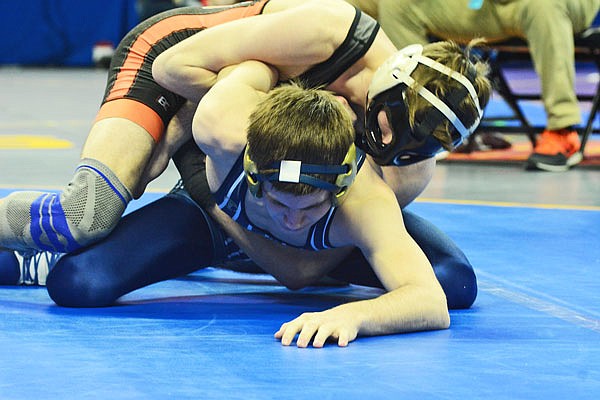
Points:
(414, 301)
(290, 39)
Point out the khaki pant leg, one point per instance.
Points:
(549, 26)
(409, 21)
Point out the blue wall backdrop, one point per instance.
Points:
(61, 32)
(64, 32)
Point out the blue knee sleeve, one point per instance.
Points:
(48, 221)
(85, 211)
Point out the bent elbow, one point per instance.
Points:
(171, 72)
(437, 319)
(207, 128)
(444, 320)
(203, 124)
(213, 130)
(441, 315)
(162, 70)
(435, 315)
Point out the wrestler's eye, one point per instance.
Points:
(276, 203)
(317, 205)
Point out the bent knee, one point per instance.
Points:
(459, 283)
(73, 284)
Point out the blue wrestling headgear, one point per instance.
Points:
(387, 92)
(297, 172)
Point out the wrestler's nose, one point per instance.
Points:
(294, 220)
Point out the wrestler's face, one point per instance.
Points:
(294, 213)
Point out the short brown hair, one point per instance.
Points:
(297, 123)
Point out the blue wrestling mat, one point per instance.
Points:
(533, 333)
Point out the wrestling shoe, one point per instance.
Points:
(483, 141)
(556, 151)
(29, 269)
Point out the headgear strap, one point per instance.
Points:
(298, 172)
(387, 92)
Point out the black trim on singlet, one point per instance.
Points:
(360, 37)
(145, 73)
(123, 49)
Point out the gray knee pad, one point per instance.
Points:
(85, 211)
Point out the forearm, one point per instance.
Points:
(189, 81)
(406, 309)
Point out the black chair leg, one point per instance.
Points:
(501, 85)
(589, 127)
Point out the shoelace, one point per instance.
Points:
(31, 265)
(178, 186)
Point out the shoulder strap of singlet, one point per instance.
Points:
(358, 41)
(229, 195)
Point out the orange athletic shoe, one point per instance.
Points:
(556, 151)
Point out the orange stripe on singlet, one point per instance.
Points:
(134, 111)
(139, 49)
(142, 46)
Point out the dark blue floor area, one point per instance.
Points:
(533, 333)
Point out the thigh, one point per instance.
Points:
(135, 109)
(123, 146)
(178, 132)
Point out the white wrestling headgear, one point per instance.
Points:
(387, 92)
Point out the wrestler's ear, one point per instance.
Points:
(251, 172)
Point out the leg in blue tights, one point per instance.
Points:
(452, 268)
(162, 240)
(171, 237)
(10, 271)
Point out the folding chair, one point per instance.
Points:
(587, 49)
